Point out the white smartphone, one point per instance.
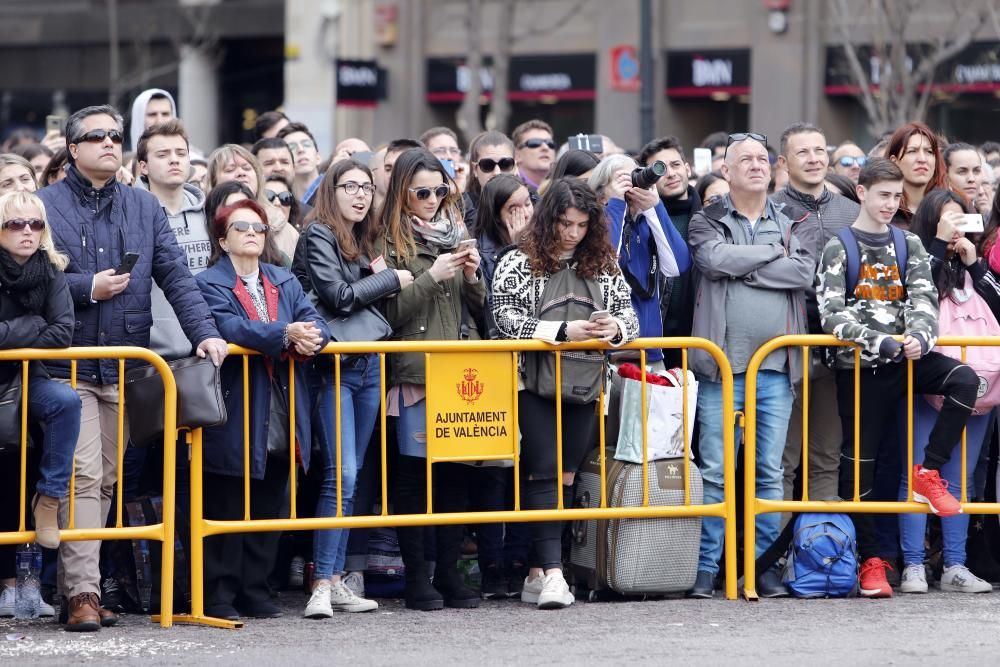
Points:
(467, 244)
(378, 264)
(598, 315)
(972, 223)
(702, 161)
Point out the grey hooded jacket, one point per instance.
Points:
(726, 261)
(138, 120)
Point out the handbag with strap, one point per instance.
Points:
(10, 413)
(199, 398)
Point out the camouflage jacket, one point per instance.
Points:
(881, 305)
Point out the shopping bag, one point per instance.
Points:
(664, 423)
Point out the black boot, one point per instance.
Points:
(450, 495)
(411, 498)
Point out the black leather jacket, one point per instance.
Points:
(52, 329)
(341, 287)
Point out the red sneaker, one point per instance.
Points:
(872, 582)
(929, 488)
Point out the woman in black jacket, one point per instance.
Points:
(36, 311)
(333, 261)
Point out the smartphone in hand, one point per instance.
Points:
(128, 263)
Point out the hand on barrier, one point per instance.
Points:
(305, 337)
(107, 285)
(604, 328)
(214, 348)
(912, 349)
(579, 330)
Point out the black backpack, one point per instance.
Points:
(567, 297)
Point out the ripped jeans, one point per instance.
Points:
(411, 429)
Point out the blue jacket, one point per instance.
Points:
(223, 445)
(96, 227)
(635, 244)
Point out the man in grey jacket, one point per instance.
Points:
(817, 214)
(752, 274)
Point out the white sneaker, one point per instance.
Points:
(355, 581)
(319, 602)
(958, 579)
(6, 601)
(555, 592)
(45, 610)
(531, 590)
(343, 599)
(914, 579)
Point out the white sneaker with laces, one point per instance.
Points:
(343, 599)
(45, 610)
(914, 579)
(319, 602)
(532, 589)
(355, 581)
(6, 601)
(555, 592)
(958, 579)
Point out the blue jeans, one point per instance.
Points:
(954, 529)
(774, 407)
(359, 404)
(57, 407)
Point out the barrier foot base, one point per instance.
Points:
(209, 621)
(750, 594)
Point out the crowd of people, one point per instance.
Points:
(276, 249)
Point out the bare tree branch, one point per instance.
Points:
(857, 70)
(467, 118)
(546, 29)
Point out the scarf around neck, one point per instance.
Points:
(442, 233)
(27, 283)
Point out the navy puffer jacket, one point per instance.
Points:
(96, 227)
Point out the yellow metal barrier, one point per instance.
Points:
(162, 532)
(202, 528)
(754, 506)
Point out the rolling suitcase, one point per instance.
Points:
(636, 556)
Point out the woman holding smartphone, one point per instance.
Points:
(564, 251)
(423, 233)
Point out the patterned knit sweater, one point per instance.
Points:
(517, 293)
(881, 305)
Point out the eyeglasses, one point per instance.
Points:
(848, 161)
(447, 152)
(743, 136)
(244, 226)
(440, 192)
(538, 143)
(18, 224)
(284, 198)
(352, 187)
(98, 136)
(488, 165)
(713, 199)
(304, 145)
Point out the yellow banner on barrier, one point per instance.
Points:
(471, 406)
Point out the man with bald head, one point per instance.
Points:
(847, 160)
(752, 276)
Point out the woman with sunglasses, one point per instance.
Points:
(263, 308)
(333, 264)
(423, 230)
(282, 222)
(36, 311)
(490, 153)
(567, 244)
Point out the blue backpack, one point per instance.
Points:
(822, 560)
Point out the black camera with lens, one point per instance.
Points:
(646, 177)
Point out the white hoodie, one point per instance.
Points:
(138, 123)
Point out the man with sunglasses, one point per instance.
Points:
(534, 151)
(749, 263)
(847, 160)
(96, 220)
(817, 214)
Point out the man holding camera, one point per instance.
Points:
(752, 276)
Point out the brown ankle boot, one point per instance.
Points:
(46, 511)
(83, 613)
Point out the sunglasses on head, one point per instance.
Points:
(244, 226)
(743, 136)
(18, 224)
(848, 161)
(284, 198)
(98, 136)
(440, 192)
(538, 143)
(489, 164)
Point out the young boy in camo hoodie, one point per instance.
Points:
(888, 301)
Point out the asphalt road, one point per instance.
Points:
(938, 628)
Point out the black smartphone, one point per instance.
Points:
(127, 264)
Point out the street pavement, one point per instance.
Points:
(937, 628)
